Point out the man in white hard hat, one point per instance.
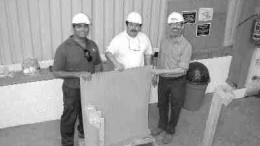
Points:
(76, 57)
(130, 48)
(175, 53)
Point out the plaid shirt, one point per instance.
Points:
(174, 53)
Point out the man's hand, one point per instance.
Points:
(119, 67)
(85, 76)
(155, 80)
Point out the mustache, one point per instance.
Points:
(175, 28)
(133, 30)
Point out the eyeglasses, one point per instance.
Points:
(87, 55)
(134, 47)
(134, 25)
(178, 24)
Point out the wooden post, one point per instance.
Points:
(223, 95)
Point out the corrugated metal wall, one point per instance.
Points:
(37, 27)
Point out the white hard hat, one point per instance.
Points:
(80, 18)
(175, 17)
(134, 17)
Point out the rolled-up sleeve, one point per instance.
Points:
(149, 49)
(159, 58)
(113, 46)
(97, 57)
(186, 56)
(59, 60)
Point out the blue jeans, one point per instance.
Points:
(71, 111)
(171, 91)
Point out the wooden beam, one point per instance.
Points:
(223, 95)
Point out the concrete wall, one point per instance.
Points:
(42, 101)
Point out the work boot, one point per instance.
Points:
(156, 131)
(167, 138)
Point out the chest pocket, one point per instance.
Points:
(173, 52)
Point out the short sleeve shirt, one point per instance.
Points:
(174, 54)
(130, 51)
(70, 57)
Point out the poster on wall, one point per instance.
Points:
(203, 29)
(189, 16)
(205, 14)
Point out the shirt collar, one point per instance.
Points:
(175, 40)
(73, 41)
(126, 34)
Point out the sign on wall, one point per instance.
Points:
(189, 16)
(203, 29)
(213, 12)
(205, 14)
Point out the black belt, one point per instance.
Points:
(174, 78)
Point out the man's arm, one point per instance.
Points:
(98, 62)
(118, 66)
(65, 74)
(59, 67)
(185, 58)
(99, 67)
(148, 53)
(174, 72)
(148, 59)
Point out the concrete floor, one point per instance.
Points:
(239, 125)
